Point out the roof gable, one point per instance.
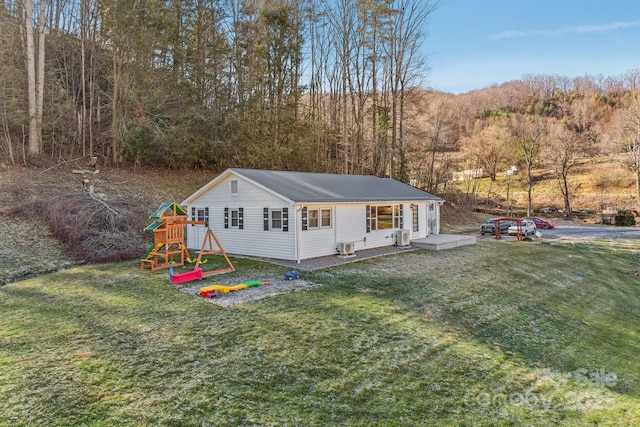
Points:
(309, 187)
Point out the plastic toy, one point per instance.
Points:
(291, 275)
(254, 283)
(189, 276)
(211, 294)
(223, 289)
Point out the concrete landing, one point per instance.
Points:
(438, 242)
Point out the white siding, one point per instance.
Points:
(315, 242)
(252, 239)
(348, 224)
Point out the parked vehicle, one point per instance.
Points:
(489, 227)
(528, 227)
(541, 223)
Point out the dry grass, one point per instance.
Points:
(419, 338)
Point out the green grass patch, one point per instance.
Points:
(500, 333)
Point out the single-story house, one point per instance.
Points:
(301, 215)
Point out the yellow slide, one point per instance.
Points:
(152, 251)
(223, 289)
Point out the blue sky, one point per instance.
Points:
(473, 44)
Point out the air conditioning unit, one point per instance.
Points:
(347, 248)
(404, 238)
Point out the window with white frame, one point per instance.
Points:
(325, 218)
(313, 218)
(276, 219)
(234, 218)
(234, 186)
(383, 217)
(200, 214)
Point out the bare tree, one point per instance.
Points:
(488, 146)
(563, 149)
(405, 37)
(441, 138)
(529, 135)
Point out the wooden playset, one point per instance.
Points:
(169, 248)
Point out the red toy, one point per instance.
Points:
(189, 276)
(211, 294)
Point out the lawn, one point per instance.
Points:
(499, 333)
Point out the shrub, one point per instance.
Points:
(624, 219)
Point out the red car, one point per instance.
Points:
(541, 223)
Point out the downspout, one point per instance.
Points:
(426, 217)
(298, 231)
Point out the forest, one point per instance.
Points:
(307, 85)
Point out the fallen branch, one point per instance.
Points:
(93, 196)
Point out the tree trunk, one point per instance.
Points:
(40, 74)
(344, 64)
(529, 189)
(34, 141)
(114, 108)
(567, 202)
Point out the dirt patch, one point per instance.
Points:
(276, 286)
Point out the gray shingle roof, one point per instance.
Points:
(307, 187)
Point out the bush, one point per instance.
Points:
(625, 219)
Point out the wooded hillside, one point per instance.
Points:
(287, 84)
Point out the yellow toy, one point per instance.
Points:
(222, 288)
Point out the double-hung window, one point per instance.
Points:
(276, 219)
(314, 218)
(200, 214)
(234, 218)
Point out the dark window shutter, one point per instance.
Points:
(206, 216)
(305, 219)
(265, 216)
(241, 218)
(193, 216)
(285, 219)
(226, 217)
(401, 218)
(368, 216)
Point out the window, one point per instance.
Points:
(200, 214)
(276, 219)
(414, 214)
(325, 218)
(383, 217)
(234, 218)
(316, 218)
(234, 186)
(313, 218)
